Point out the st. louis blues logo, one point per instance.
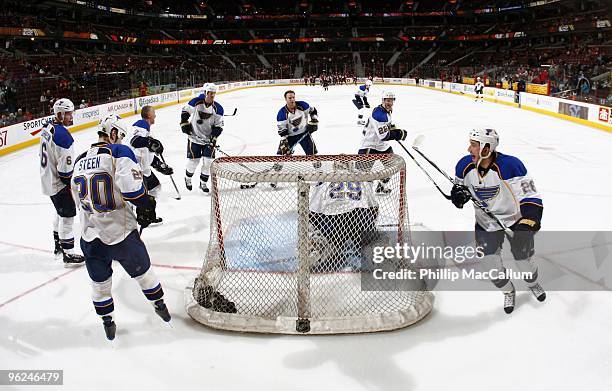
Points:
(296, 122)
(485, 194)
(204, 115)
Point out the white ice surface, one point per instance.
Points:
(466, 343)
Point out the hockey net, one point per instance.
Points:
(292, 258)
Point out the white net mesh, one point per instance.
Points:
(288, 243)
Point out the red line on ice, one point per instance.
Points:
(37, 287)
(19, 296)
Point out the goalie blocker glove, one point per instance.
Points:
(460, 195)
(161, 167)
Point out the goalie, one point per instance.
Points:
(343, 219)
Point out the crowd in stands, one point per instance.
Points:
(35, 71)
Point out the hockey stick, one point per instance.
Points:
(216, 147)
(242, 186)
(415, 146)
(231, 115)
(476, 201)
(178, 195)
(448, 197)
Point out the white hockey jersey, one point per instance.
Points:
(56, 158)
(295, 123)
(334, 198)
(203, 117)
(105, 177)
(362, 91)
(140, 128)
(376, 130)
(506, 190)
(479, 87)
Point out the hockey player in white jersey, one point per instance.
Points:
(56, 164)
(378, 131)
(202, 121)
(294, 125)
(479, 89)
(343, 216)
(502, 185)
(361, 100)
(107, 177)
(147, 148)
(114, 127)
(296, 121)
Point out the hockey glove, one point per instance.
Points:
(187, 128)
(460, 195)
(145, 215)
(312, 126)
(155, 146)
(215, 132)
(526, 224)
(162, 167)
(523, 240)
(397, 134)
(283, 148)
